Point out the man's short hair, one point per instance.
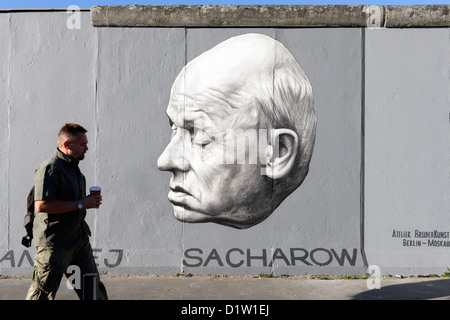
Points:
(68, 131)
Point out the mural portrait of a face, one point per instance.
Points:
(243, 130)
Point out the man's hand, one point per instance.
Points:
(92, 202)
(58, 206)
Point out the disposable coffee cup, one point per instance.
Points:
(96, 190)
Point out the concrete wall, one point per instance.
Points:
(379, 172)
(407, 104)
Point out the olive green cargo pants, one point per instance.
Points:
(51, 263)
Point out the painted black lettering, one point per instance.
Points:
(199, 259)
(263, 258)
(214, 255)
(314, 260)
(25, 254)
(345, 255)
(9, 256)
(301, 258)
(228, 260)
(278, 254)
(118, 261)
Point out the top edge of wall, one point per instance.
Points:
(24, 10)
(359, 16)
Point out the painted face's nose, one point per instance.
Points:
(173, 157)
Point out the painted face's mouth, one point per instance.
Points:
(179, 189)
(179, 196)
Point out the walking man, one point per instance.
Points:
(61, 234)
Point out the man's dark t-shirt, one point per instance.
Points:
(59, 178)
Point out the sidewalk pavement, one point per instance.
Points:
(247, 288)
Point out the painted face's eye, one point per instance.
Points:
(174, 128)
(201, 138)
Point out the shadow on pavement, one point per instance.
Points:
(434, 289)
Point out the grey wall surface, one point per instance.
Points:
(380, 163)
(407, 149)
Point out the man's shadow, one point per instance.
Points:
(432, 289)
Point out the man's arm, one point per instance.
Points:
(59, 206)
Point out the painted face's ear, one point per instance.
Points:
(281, 153)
